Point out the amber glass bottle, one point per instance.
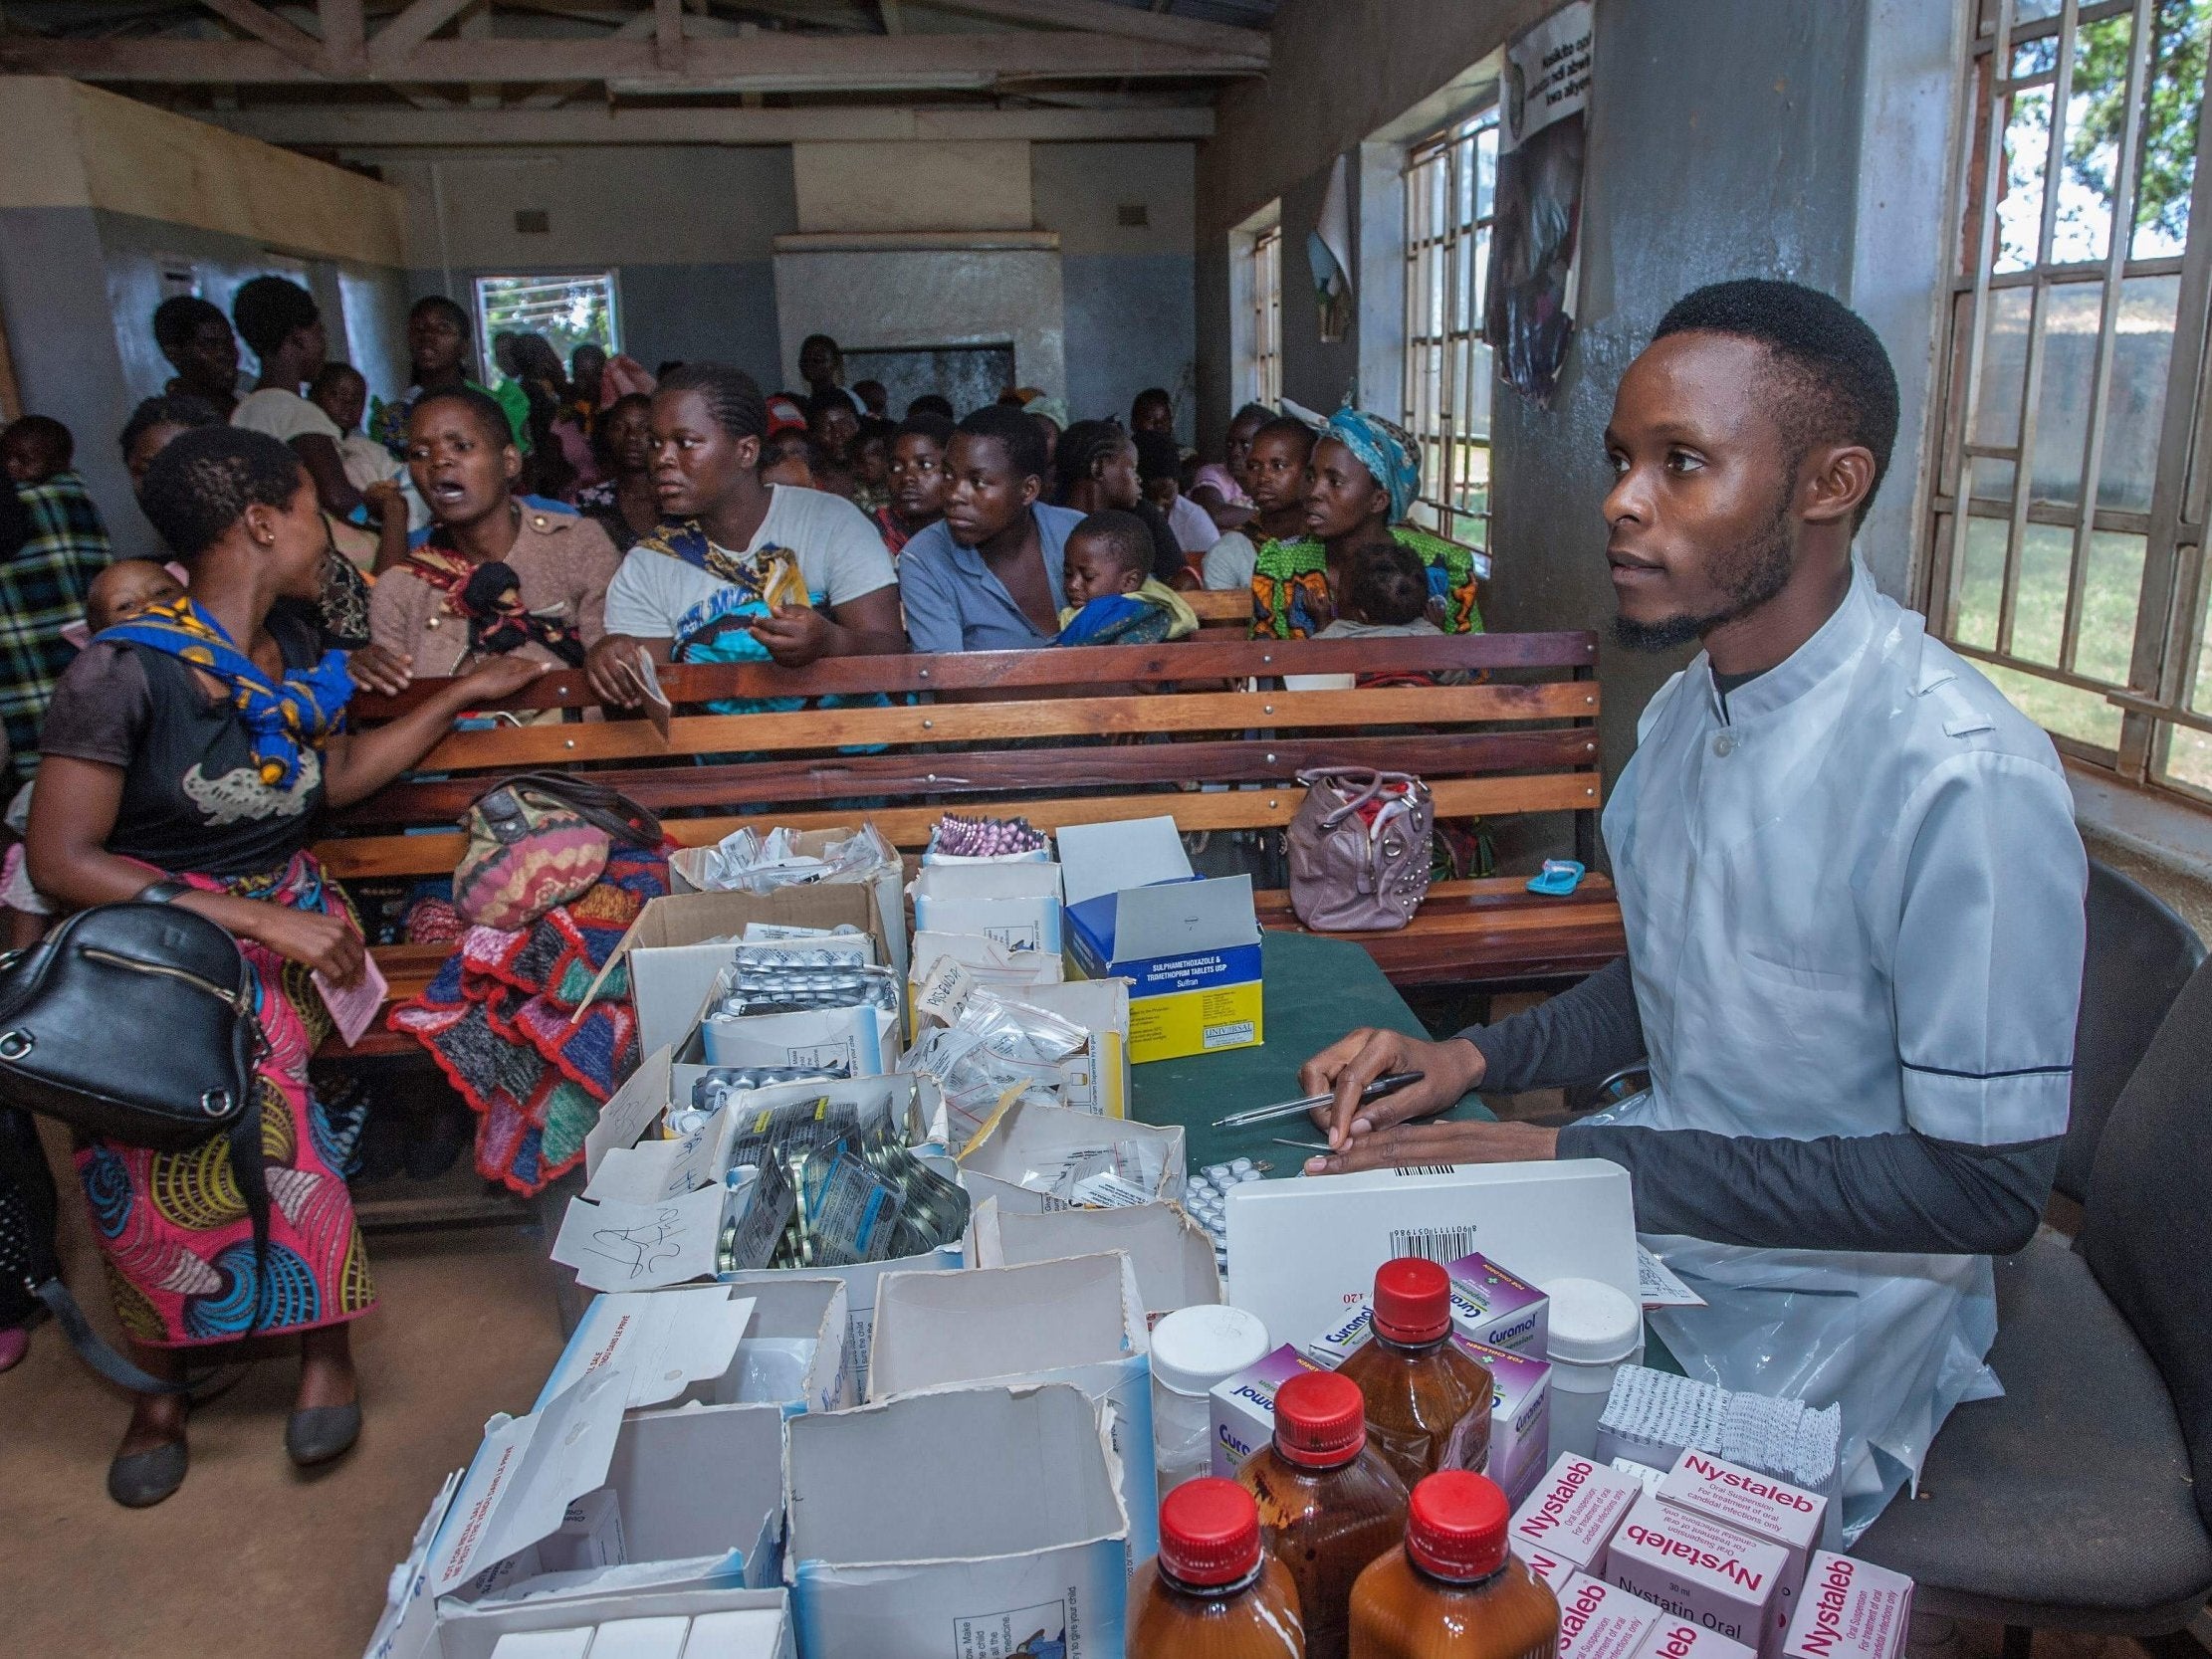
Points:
(1453, 1591)
(1428, 1401)
(1212, 1593)
(1328, 1504)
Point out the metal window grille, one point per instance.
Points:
(569, 310)
(1451, 199)
(1266, 381)
(2069, 504)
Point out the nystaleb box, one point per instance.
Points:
(1189, 948)
(1598, 1620)
(1678, 1638)
(1574, 1512)
(1699, 1570)
(1851, 1609)
(1752, 1503)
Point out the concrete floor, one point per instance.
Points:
(253, 1560)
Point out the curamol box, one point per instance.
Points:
(1497, 1309)
(1677, 1638)
(1699, 1570)
(1751, 1503)
(1598, 1620)
(1850, 1609)
(1243, 1407)
(1520, 1418)
(1574, 1511)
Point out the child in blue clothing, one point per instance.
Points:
(1112, 596)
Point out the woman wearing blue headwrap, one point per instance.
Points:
(1363, 479)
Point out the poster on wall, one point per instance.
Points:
(1528, 319)
(1329, 253)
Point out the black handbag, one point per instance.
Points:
(134, 1023)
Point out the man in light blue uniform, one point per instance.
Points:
(1853, 892)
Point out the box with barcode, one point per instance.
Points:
(1302, 1254)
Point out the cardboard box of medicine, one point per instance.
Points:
(1555, 1570)
(1699, 1570)
(886, 888)
(1075, 1320)
(1189, 948)
(1093, 1079)
(984, 960)
(1598, 1620)
(910, 1099)
(720, 1623)
(1752, 1503)
(1520, 1417)
(854, 1041)
(698, 1490)
(1574, 1512)
(1489, 1306)
(1024, 1149)
(1173, 1257)
(1303, 1254)
(779, 1342)
(679, 943)
(955, 1523)
(1677, 1638)
(1243, 1406)
(1850, 1609)
(1016, 904)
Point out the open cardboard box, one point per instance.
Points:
(679, 943)
(1173, 1258)
(699, 1495)
(885, 888)
(1189, 948)
(779, 1342)
(955, 1525)
(1019, 1137)
(1075, 1320)
(856, 1041)
(1303, 1253)
(1093, 1079)
(1016, 906)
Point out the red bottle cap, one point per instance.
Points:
(1320, 1419)
(1209, 1532)
(1456, 1524)
(1413, 1300)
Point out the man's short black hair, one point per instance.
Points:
(930, 403)
(925, 423)
(1288, 426)
(1389, 585)
(202, 483)
(177, 319)
(1843, 388)
(269, 310)
(491, 419)
(1150, 394)
(1021, 437)
(169, 409)
(1122, 534)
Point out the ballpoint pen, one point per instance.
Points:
(1375, 1090)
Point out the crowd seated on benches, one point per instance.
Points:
(360, 634)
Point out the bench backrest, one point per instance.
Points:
(1522, 740)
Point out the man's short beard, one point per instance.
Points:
(1748, 574)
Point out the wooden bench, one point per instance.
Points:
(1523, 741)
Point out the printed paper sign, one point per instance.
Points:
(1657, 1286)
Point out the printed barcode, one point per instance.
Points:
(1439, 1244)
(1424, 1168)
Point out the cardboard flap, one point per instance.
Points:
(1111, 858)
(526, 1474)
(631, 1111)
(1172, 1259)
(616, 1246)
(1182, 918)
(934, 1329)
(665, 1340)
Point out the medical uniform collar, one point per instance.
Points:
(1837, 642)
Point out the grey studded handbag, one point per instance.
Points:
(1359, 850)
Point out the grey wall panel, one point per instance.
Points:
(1131, 324)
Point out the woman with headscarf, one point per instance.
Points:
(190, 754)
(1363, 479)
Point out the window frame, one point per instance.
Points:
(487, 368)
(2163, 690)
(1263, 368)
(1449, 373)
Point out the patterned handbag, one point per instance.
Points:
(1359, 850)
(538, 840)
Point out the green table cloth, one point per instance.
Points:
(1317, 990)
